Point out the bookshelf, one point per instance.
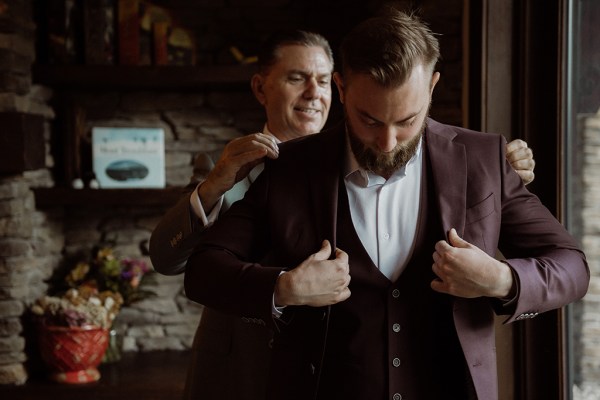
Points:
(68, 78)
(122, 77)
(126, 50)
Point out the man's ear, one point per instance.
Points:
(339, 82)
(434, 80)
(257, 82)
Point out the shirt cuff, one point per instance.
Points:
(275, 310)
(196, 205)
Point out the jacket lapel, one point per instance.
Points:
(448, 160)
(324, 178)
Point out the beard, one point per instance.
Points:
(384, 164)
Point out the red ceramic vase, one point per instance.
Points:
(73, 353)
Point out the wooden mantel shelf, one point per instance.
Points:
(106, 77)
(53, 197)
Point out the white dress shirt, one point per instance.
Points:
(385, 212)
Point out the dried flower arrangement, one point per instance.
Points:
(78, 308)
(94, 292)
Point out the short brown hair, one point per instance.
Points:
(388, 47)
(268, 54)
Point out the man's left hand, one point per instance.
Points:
(464, 270)
(520, 157)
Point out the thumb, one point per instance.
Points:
(324, 252)
(456, 240)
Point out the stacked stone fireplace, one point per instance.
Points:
(35, 242)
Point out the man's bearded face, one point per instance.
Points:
(384, 163)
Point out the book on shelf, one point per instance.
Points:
(128, 31)
(59, 24)
(181, 47)
(160, 33)
(99, 32)
(154, 22)
(128, 157)
(108, 32)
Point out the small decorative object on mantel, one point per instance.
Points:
(73, 332)
(77, 183)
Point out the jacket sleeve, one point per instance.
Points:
(229, 271)
(550, 268)
(177, 233)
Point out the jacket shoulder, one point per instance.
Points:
(462, 135)
(311, 149)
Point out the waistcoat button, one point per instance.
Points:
(397, 396)
(396, 362)
(396, 328)
(395, 293)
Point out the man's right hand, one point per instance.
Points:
(237, 160)
(317, 282)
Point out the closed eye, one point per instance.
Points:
(325, 81)
(371, 123)
(407, 123)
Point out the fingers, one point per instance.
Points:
(523, 163)
(253, 156)
(239, 157)
(516, 145)
(445, 249)
(317, 281)
(521, 160)
(456, 240)
(338, 270)
(441, 258)
(438, 285)
(526, 176)
(269, 142)
(343, 295)
(248, 149)
(253, 142)
(519, 155)
(341, 255)
(324, 252)
(443, 255)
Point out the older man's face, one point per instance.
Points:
(296, 92)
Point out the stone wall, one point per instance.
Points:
(30, 242)
(588, 310)
(35, 243)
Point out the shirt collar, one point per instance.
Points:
(360, 176)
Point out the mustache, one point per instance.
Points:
(384, 164)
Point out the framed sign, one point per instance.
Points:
(129, 157)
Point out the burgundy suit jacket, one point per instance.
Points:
(292, 208)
